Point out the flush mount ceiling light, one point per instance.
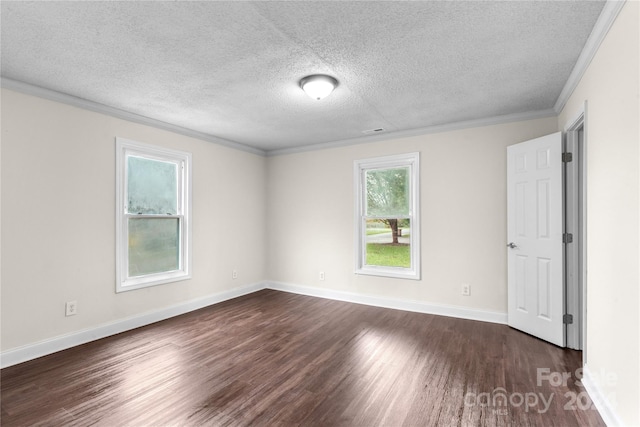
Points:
(318, 86)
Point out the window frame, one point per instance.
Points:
(412, 161)
(124, 149)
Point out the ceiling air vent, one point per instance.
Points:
(371, 131)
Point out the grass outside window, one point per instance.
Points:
(389, 254)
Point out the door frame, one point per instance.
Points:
(576, 288)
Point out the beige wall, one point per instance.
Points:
(58, 203)
(58, 219)
(463, 211)
(610, 87)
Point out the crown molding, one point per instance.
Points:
(488, 121)
(606, 19)
(53, 95)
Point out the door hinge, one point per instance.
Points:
(567, 157)
(567, 238)
(567, 319)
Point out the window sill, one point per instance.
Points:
(394, 273)
(152, 280)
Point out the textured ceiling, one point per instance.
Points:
(231, 69)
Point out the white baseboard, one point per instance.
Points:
(32, 351)
(398, 304)
(603, 404)
(63, 342)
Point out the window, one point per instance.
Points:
(387, 216)
(153, 208)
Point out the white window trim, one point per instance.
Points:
(125, 147)
(412, 160)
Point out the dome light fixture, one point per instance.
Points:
(318, 86)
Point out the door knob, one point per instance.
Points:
(512, 245)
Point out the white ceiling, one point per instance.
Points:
(231, 69)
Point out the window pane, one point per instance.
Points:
(153, 245)
(387, 192)
(152, 186)
(388, 242)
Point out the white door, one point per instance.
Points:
(534, 232)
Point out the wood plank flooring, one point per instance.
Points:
(273, 358)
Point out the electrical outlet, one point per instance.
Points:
(71, 308)
(321, 276)
(466, 289)
(234, 274)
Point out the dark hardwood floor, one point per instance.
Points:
(274, 358)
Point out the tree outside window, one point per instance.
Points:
(387, 216)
